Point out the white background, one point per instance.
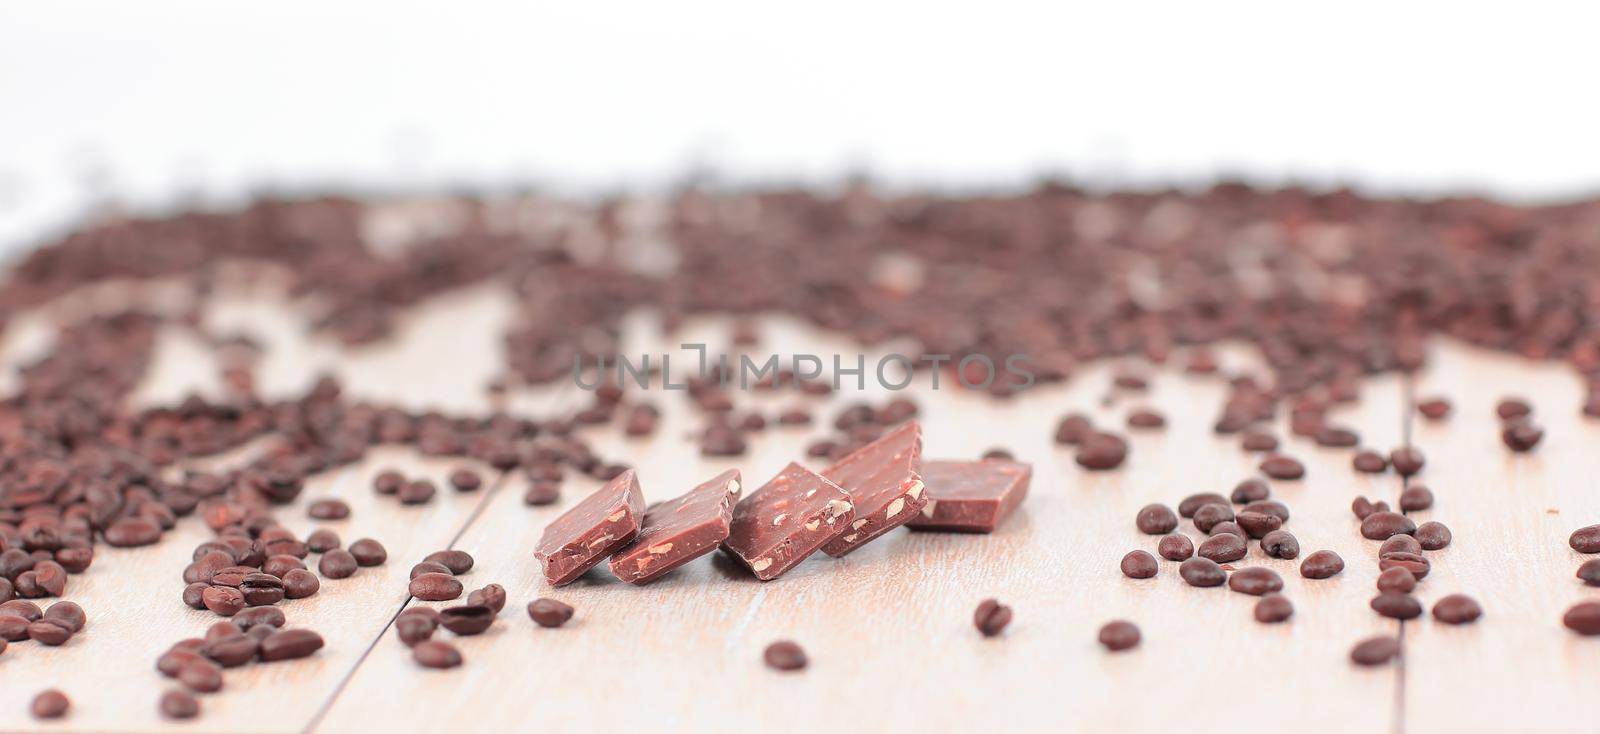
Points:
(151, 101)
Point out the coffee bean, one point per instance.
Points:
(1521, 436)
(1369, 462)
(1224, 548)
(131, 532)
(1336, 437)
(459, 562)
(1396, 605)
(174, 659)
(1434, 409)
(784, 655)
(1228, 527)
(1102, 451)
(369, 552)
(7, 590)
(202, 676)
(1250, 490)
(1146, 419)
(1194, 502)
(290, 644)
(260, 589)
(1273, 608)
(416, 492)
(51, 578)
(465, 480)
(435, 587)
(259, 616)
(1175, 547)
(1255, 581)
(322, 540)
(428, 567)
(1256, 441)
(542, 493)
(1362, 507)
(1383, 525)
(49, 632)
(1375, 651)
(68, 614)
(1119, 635)
(1407, 461)
(279, 566)
(1400, 544)
(223, 631)
(492, 596)
(413, 628)
(429, 612)
(299, 583)
(337, 564)
(1138, 565)
(1280, 544)
(74, 560)
(1268, 507)
(1512, 407)
(178, 705)
(1321, 564)
(388, 482)
(1583, 618)
(1208, 516)
(1202, 572)
(1257, 524)
(223, 600)
(1589, 572)
(1278, 466)
(1413, 562)
(1396, 580)
(50, 704)
(328, 509)
(1585, 539)
(1155, 519)
(470, 619)
(549, 612)
(13, 628)
(22, 608)
(1457, 609)
(1416, 498)
(1073, 429)
(1432, 535)
(435, 654)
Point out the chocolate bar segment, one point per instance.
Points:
(884, 485)
(591, 530)
(971, 496)
(680, 530)
(786, 520)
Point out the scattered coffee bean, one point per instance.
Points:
(132, 532)
(1457, 609)
(1434, 408)
(50, 704)
(1369, 462)
(13, 628)
(465, 480)
(492, 596)
(1202, 572)
(1278, 466)
(1583, 618)
(1375, 651)
(1400, 544)
(1102, 451)
(542, 492)
(1250, 490)
(1256, 524)
(1585, 539)
(991, 617)
(1139, 565)
(1208, 516)
(1255, 581)
(784, 655)
(1280, 544)
(1416, 498)
(1321, 564)
(1509, 408)
(1119, 635)
(1268, 507)
(1258, 441)
(416, 492)
(1073, 429)
(328, 509)
(322, 540)
(1413, 562)
(1407, 461)
(337, 564)
(279, 565)
(298, 583)
(368, 552)
(223, 600)
(1336, 437)
(1273, 608)
(290, 644)
(202, 676)
(179, 705)
(1146, 419)
(1194, 502)
(261, 589)
(1521, 436)
(549, 612)
(1589, 572)
(459, 562)
(1396, 580)
(49, 632)
(67, 614)
(257, 617)
(429, 567)
(1228, 527)
(1432, 535)
(1175, 547)
(388, 482)
(1156, 519)
(435, 587)
(1383, 525)
(470, 619)
(1224, 548)
(22, 608)
(1395, 605)
(435, 654)
(413, 628)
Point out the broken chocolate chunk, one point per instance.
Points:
(680, 530)
(593, 529)
(971, 496)
(786, 520)
(885, 486)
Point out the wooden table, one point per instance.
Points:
(888, 629)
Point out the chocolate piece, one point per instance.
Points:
(593, 529)
(971, 496)
(680, 530)
(885, 486)
(786, 520)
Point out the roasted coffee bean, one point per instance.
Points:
(1362, 507)
(278, 566)
(7, 590)
(337, 564)
(388, 482)
(1146, 419)
(416, 492)
(429, 612)
(1227, 527)
(322, 540)
(50, 632)
(179, 705)
(1278, 466)
(1250, 490)
(1583, 618)
(223, 600)
(413, 628)
(1432, 535)
(1369, 462)
(27, 585)
(1280, 544)
(1416, 498)
(1192, 504)
(428, 567)
(1255, 581)
(369, 552)
(261, 589)
(1202, 572)
(1585, 539)
(1401, 544)
(1413, 562)
(1073, 429)
(1321, 564)
(1521, 436)
(299, 583)
(1119, 635)
(1434, 408)
(1336, 437)
(259, 616)
(1375, 651)
(1396, 580)
(435, 654)
(1102, 451)
(328, 509)
(51, 578)
(1256, 441)
(459, 562)
(1175, 547)
(1224, 548)
(13, 628)
(492, 596)
(1589, 572)
(67, 614)
(202, 676)
(290, 644)
(542, 492)
(470, 619)
(784, 655)
(1156, 519)
(1383, 525)
(174, 659)
(998, 454)
(1457, 609)
(1208, 516)
(50, 704)
(22, 608)
(1396, 605)
(435, 587)
(14, 561)
(549, 612)
(465, 480)
(1256, 524)
(130, 532)
(1407, 461)
(1273, 608)
(1509, 408)
(223, 631)
(1268, 507)
(1138, 565)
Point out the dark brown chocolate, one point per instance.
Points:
(680, 530)
(593, 529)
(971, 496)
(884, 485)
(786, 520)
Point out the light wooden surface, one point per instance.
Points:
(888, 628)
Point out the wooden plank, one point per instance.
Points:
(1518, 668)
